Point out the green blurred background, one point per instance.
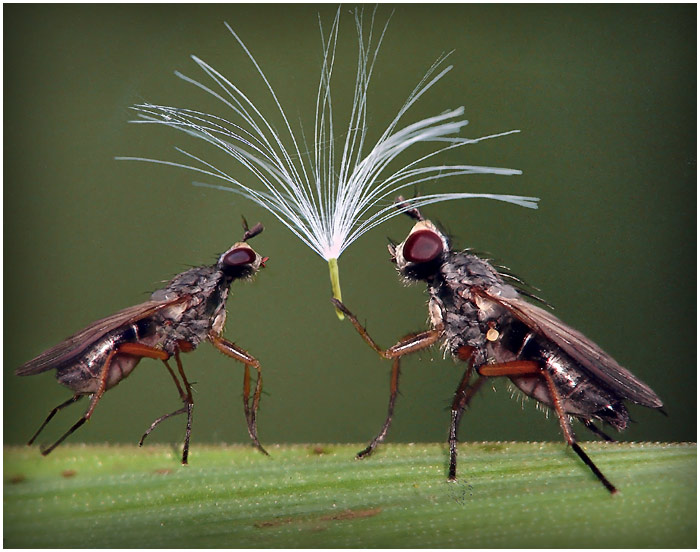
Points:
(604, 97)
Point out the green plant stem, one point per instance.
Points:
(335, 284)
(507, 495)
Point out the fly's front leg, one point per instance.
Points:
(407, 345)
(250, 410)
(395, 372)
(527, 367)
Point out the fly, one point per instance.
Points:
(484, 321)
(176, 319)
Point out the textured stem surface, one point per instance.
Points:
(508, 495)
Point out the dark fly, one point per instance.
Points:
(483, 320)
(176, 319)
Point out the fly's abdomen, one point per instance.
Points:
(580, 394)
(83, 373)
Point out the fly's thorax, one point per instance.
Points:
(202, 292)
(453, 312)
(462, 269)
(195, 281)
(466, 315)
(215, 311)
(206, 312)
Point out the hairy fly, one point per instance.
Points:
(176, 319)
(484, 321)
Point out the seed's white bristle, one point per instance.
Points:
(327, 196)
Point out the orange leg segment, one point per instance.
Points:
(462, 397)
(407, 345)
(526, 367)
(134, 349)
(186, 397)
(514, 368)
(144, 351)
(250, 408)
(94, 399)
(569, 433)
(465, 392)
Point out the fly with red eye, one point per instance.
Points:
(483, 320)
(176, 319)
(422, 246)
(238, 257)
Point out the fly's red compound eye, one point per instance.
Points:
(422, 246)
(239, 257)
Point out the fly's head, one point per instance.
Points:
(421, 254)
(241, 260)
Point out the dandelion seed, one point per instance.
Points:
(327, 203)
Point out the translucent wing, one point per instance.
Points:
(592, 358)
(72, 346)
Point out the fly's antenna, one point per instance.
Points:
(251, 232)
(412, 212)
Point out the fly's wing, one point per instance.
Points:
(72, 346)
(592, 358)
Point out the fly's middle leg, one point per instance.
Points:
(185, 395)
(189, 405)
(462, 397)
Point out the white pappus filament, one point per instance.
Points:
(333, 192)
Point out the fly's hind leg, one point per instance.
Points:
(595, 429)
(250, 406)
(407, 345)
(526, 367)
(133, 349)
(74, 398)
(569, 433)
(94, 399)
